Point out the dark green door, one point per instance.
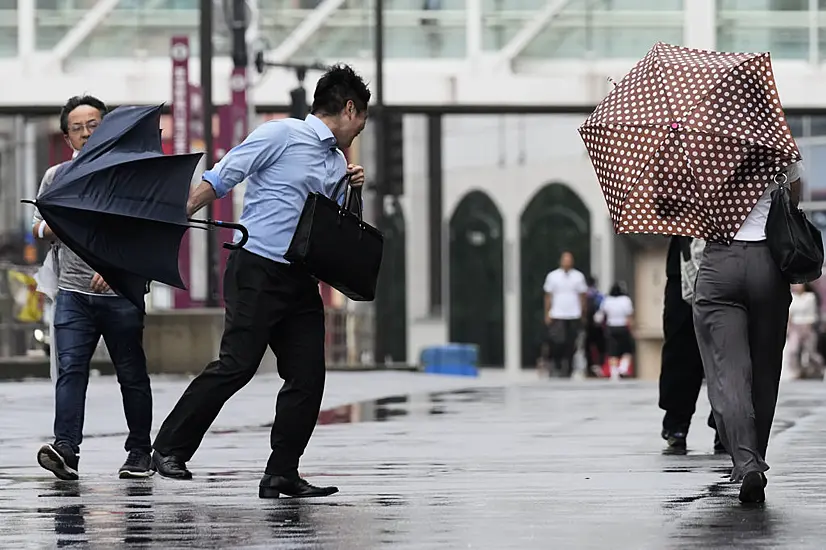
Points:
(391, 299)
(477, 308)
(554, 221)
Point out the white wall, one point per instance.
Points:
(510, 158)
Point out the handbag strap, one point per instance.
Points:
(781, 179)
(337, 188)
(355, 197)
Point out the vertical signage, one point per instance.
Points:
(179, 52)
(181, 142)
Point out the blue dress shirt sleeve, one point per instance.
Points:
(261, 149)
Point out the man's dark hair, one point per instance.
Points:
(338, 85)
(74, 103)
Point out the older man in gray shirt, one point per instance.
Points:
(86, 309)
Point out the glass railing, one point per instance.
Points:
(436, 28)
(793, 33)
(584, 33)
(414, 28)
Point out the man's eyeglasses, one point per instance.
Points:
(91, 126)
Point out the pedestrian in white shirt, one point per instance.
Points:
(617, 312)
(565, 296)
(801, 342)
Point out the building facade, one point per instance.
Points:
(516, 188)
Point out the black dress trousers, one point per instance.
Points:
(267, 303)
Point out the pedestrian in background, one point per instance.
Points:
(681, 371)
(594, 331)
(85, 309)
(565, 306)
(617, 311)
(802, 359)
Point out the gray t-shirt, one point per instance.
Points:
(74, 274)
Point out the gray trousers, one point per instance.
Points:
(741, 310)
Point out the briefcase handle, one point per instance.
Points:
(337, 188)
(353, 195)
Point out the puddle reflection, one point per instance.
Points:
(389, 408)
(721, 525)
(139, 515)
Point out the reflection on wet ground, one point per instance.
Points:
(546, 465)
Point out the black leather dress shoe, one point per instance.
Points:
(295, 487)
(170, 466)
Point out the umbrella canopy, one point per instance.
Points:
(688, 141)
(121, 204)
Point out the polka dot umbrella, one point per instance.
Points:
(688, 141)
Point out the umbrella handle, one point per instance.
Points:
(229, 225)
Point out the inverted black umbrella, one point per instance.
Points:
(121, 204)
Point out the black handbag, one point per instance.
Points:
(337, 246)
(794, 242)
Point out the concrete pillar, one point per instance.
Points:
(513, 290)
(473, 31)
(700, 24)
(26, 31)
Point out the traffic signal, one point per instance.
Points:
(298, 103)
(394, 154)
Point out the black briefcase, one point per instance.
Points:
(336, 246)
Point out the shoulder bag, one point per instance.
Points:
(795, 243)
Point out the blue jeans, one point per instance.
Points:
(79, 322)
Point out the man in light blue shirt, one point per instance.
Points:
(269, 301)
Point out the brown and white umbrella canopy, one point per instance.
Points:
(688, 141)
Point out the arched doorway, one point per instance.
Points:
(477, 308)
(554, 221)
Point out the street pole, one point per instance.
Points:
(379, 184)
(213, 262)
(239, 34)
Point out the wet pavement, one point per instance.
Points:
(437, 462)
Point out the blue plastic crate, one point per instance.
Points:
(451, 359)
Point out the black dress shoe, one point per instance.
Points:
(293, 486)
(676, 439)
(753, 489)
(170, 466)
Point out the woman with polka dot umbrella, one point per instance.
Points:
(688, 142)
(691, 143)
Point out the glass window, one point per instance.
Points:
(796, 126)
(579, 5)
(771, 5)
(756, 36)
(8, 42)
(814, 175)
(817, 125)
